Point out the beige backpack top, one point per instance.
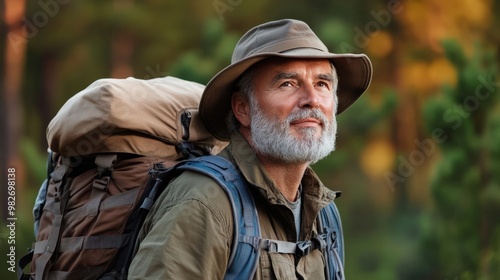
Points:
(143, 117)
(108, 142)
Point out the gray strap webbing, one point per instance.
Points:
(104, 164)
(301, 248)
(43, 263)
(50, 205)
(58, 174)
(252, 240)
(278, 246)
(86, 243)
(93, 272)
(122, 199)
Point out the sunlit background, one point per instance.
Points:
(418, 156)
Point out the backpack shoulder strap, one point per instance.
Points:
(331, 227)
(246, 238)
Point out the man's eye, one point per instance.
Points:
(286, 84)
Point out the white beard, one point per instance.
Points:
(273, 138)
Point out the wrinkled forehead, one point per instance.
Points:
(290, 62)
(277, 66)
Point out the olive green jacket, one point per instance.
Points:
(188, 233)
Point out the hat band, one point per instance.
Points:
(283, 46)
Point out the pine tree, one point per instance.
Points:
(462, 233)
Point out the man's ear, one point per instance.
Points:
(241, 108)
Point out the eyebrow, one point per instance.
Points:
(283, 76)
(326, 77)
(292, 75)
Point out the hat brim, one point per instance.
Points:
(354, 72)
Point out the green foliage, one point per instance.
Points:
(35, 161)
(454, 53)
(363, 117)
(211, 56)
(373, 248)
(465, 186)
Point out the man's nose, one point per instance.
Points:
(309, 97)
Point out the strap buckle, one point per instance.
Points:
(320, 241)
(303, 248)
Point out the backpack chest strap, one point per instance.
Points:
(301, 248)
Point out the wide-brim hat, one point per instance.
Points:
(283, 38)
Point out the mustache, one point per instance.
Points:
(308, 113)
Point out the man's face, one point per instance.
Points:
(293, 110)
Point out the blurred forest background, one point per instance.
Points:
(418, 157)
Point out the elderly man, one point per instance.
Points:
(277, 104)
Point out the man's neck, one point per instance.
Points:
(286, 176)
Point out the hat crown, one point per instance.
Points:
(276, 37)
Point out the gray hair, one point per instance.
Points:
(244, 88)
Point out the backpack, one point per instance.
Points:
(90, 231)
(103, 142)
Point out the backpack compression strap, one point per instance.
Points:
(44, 262)
(331, 226)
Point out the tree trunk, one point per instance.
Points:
(14, 57)
(122, 47)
